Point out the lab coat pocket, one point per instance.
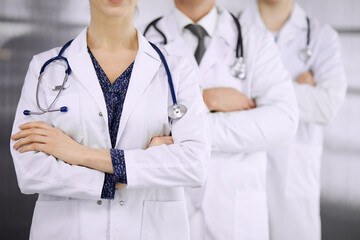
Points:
(251, 219)
(69, 122)
(54, 220)
(164, 221)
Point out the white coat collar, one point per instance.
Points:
(79, 45)
(169, 21)
(176, 45)
(296, 22)
(146, 65)
(225, 33)
(226, 28)
(208, 22)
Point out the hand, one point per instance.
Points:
(39, 136)
(226, 100)
(306, 78)
(120, 185)
(157, 141)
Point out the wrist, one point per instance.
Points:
(84, 156)
(99, 159)
(209, 103)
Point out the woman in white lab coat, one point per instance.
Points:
(73, 160)
(233, 201)
(320, 86)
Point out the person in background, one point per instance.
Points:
(311, 52)
(94, 158)
(249, 113)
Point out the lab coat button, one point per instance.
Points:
(99, 202)
(121, 203)
(100, 114)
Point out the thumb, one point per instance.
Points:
(252, 103)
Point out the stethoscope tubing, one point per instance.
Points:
(168, 73)
(179, 110)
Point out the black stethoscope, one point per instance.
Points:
(238, 69)
(306, 53)
(175, 111)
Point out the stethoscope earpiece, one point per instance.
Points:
(60, 88)
(27, 112)
(62, 109)
(176, 111)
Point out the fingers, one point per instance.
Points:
(34, 125)
(28, 132)
(34, 147)
(163, 140)
(166, 140)
(306, 78)
(32, 137)
(29, 140)
(157, 141)
(120, 185)
(252, 104)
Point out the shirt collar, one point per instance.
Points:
(208, 22)
(297, 17)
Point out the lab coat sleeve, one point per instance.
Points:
(273, 122)
(38, 172)
(181, 164)
(319, 104)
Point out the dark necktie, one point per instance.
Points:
(200, 33)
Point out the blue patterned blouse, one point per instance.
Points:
(114, 95)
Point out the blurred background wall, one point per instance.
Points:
(28, 27)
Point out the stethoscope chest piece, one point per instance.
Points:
(176, 111)
(238, 69)
(305, 54)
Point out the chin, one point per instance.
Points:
(114, 8)
(275, 1)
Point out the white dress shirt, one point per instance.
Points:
(208, 22)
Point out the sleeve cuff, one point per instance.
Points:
(108, 190)
(119, 176)
(118, 161)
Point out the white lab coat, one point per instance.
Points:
(152, 206)
(234, 197)
(294, 171)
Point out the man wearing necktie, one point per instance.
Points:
(247, 116)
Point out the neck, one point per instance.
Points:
(111, 33)
(195, 9)
(275, 13)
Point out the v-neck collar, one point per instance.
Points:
(105, 83)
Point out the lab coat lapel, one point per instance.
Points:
(176, 44)
(225, 34)
(179, 47)
(290, 30)
(83, 68)
(251, 16)
(147, 63)
(211, 55)
(293, 27)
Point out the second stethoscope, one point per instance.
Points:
(238, 69)
(306, 53)
(175, 111)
